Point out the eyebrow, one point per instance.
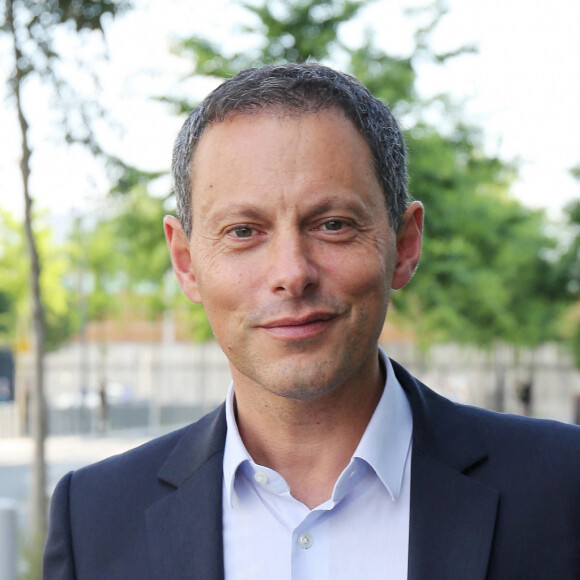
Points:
(250, 211)
(352, 203)
(237, 210)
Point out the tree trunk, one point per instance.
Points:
(38, 416)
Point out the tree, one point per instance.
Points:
(126, 259)
(13, 273)
(15, 301)
(293, 31)
(290, 31)
(31, 28)
(568, 269)
(484, 264)
(485, 277)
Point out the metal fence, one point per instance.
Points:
(150, 384)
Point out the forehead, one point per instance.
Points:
(266, 146)
(264, 165)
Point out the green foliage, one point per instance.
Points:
(140, 244)
(191, 318)
(391, 79)
(568, 272)
(31, 558)
(126, 178)
(484, 276)
(37, 22)
(15, 285)
(298, 30)
(291, 31)
(6, 309)
(574, 345)
(84, 15)
(13, 276)
(34, 28)
(31, 29)
(569, 262)
(124, 258)
(61, 320)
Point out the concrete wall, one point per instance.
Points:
(480, 378)
(197, 376)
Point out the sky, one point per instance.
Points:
(522, 87)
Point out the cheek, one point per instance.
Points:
(227, 292)
(369, 295)
(364, 275)
(371, 288)
(218, 275)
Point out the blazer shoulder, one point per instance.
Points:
(465, 436)
(529, 441)
(143, 463)
(99, 513)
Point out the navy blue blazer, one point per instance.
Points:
(493, 497)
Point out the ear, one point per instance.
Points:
(409, 238)
(180, 252)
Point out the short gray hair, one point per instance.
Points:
(298, 89)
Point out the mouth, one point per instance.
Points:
(299, 327)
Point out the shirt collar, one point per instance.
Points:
(235, 452)
(384, 446)
(386, 442)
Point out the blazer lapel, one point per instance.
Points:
(451, 523)
(452, 517)
(184, 528)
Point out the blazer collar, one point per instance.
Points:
(452, 517)
(202, 440)
(184, 528)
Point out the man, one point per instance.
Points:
(328, 460)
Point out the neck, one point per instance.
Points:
(308, 441)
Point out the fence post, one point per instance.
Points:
(8, 539)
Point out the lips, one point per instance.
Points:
(299, 327)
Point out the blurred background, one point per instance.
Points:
(99, 351)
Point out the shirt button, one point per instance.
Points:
(305, 540)
(260, 477)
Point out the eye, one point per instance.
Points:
(243, 232)
(333, 225)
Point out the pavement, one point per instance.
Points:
(84, 449)
(63, 454)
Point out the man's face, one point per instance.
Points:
(292, 253)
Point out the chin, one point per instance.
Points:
(304, 386)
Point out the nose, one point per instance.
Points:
(292, 270)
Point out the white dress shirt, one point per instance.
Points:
(362, 531)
